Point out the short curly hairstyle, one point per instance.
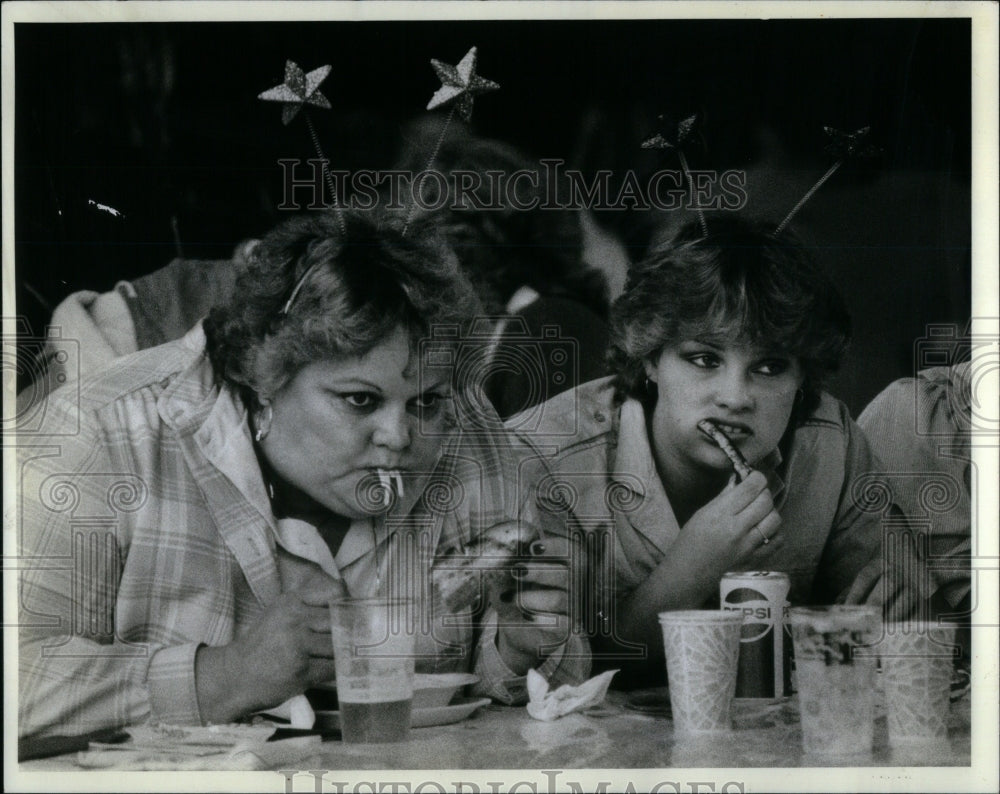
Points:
(741, 283)
(358, 284)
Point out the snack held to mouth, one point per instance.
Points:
(715, 433)
(391, 482)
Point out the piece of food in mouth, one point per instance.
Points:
(391, 482)
(457, 579)
(722, 441)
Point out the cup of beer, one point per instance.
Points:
(917, 659)
(702, 647)
(835, 667)
(373, 646)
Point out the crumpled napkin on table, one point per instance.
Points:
(548, 706)
(296, 710)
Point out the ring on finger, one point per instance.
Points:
(763, 537)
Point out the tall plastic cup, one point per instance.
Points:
(374, 658)
(917, 661)
(702, 648)
(835, 669)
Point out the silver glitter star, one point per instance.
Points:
(298, 89)
(672, 134)
(846, 145)
(461, 83)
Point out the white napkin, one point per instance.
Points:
(296, 710)
(547, 706)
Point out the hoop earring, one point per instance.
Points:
(262, 420)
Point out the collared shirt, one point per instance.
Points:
(595, 472)
(920, 429)
(145, 532)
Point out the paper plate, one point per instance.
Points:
(421, 718)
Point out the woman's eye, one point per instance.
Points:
(703, 360)
(429, 402)
(359, 399)
(774, 366)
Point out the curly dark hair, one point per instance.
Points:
(358, 284)
(742, 282)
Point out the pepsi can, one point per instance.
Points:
(765, 649)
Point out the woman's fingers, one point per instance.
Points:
(319, 646)
(543, 574)
(768, 526)
(532, 601)
(744, 494)
(757, 510)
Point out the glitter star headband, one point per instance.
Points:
(460, 84)
(842, 146)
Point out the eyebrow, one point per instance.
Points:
(351, 382)
(759, 354)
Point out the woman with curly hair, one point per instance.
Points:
(205, 499)
(740, 329)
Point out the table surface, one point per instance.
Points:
(614, 737)
(764, 735)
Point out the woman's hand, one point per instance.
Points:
(534, 609)
(285, 652)
(723, 535)
(730, 530)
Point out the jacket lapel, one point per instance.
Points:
(215, 440)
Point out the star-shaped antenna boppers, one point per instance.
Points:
(297, 92)
(459, 84)
(672, 134)
(848, 145)
(299, 89)
(843, 146)
(676, 135)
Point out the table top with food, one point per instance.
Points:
(631, 730)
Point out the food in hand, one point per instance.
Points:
(740, 464)
(457, 579)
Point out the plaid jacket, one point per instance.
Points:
(144, 534)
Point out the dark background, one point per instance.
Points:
(161, 122)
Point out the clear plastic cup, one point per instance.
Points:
(373, 649)
(836, 682)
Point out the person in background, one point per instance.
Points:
(187, 513)
(526, 264)
(740, 328)
(920, 430)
